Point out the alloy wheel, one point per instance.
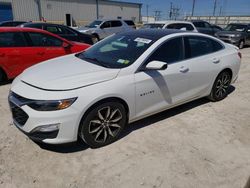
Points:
(222, 85)
(105, 124)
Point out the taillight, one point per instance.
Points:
(239, 54)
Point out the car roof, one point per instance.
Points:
(169, 22)
(27, 29)
(153, 33)
(239, 24)
(40, 23)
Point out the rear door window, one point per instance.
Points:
(13, 39)
(43, 40)
(116, 23)
(197, 46)
(199, 24)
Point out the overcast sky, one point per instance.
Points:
(202, 7)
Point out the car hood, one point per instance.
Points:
(66, 73)
(86, 29)
(228, 33)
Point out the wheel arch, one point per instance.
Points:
(101, 101)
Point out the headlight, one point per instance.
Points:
(51, 105)
(236, 35)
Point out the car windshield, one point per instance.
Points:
(236, 27)
(94, 24)
(117, 51)
(152, 26)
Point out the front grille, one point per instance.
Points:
(18, 114)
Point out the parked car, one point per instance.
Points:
(216, 28)
(126, 77)
(183, 25)
(205, 27)
(131, 23)
(103, 28)
(63, 31)
(235, 33)
(22, 47)
(11, 23)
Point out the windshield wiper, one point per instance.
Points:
(97, 61)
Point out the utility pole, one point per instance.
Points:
(193, 8)
(157, 15)
(215, 4)
(97, 9)
(171, 11)
(147, 12)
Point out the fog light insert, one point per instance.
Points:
(47, 128)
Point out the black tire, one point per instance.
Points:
(241, 44)
(2, 76)
(95, 38)
(101, 126)
(220, 87)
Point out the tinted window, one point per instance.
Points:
(180, 26)
(53, 29)
(116, 24)
(12, 40)
(216, 45)
(151, 26)
(106, 25)
(199, 24)
(171, 51)
(197, 46)
(65, 31)
(130, 22)
(38, 26)
(40, 39)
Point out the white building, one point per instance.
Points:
(64, 11)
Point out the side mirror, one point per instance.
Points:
(156, 65)
(66, 45)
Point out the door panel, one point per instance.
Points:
(158, 89)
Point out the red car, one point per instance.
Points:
(21, 48)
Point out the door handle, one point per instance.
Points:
(215, 60)
(184, 69)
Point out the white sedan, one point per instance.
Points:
(93, 95)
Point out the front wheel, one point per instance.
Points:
(103, 124)
(220, 87)
(2, 76)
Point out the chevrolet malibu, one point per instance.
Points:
(93, 95)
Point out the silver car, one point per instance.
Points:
(103, 28)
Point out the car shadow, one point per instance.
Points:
(6, 82)
(81, 146)
(247, 183)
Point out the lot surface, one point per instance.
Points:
(197, 145)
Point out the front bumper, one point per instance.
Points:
(231, 40)
(28, 120)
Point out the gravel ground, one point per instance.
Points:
(200, 144)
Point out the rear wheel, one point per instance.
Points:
(241, 44)
(2, 76)
(220, 87)
(103, 124)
